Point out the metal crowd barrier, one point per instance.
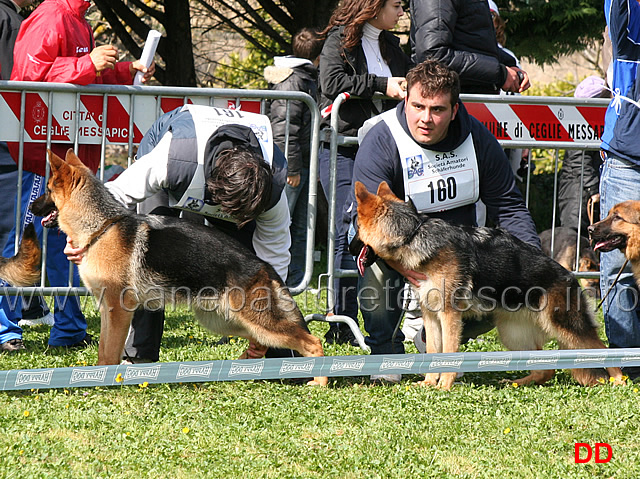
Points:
(202, 371)
(51, 104)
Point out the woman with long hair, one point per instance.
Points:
(360, 56)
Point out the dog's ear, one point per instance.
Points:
(72, 159)
(385, 192)
(361, 192)
(54, 160)
(58, 166)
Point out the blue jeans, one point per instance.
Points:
(619, 182)
(298, 200)
(346, 302)
(70, 325)
(381, 296)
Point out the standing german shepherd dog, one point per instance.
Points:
(132, 260)
(620, 230)
(24, 268)
(475, 271)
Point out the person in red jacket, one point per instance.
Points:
(55, 44)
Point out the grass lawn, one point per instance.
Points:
(483, 428)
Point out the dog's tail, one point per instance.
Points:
(24, 268)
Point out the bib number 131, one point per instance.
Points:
(443, 189)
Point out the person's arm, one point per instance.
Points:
(144, 178)
(271, 238)
(337, 74)
(434, 26)
(279, 127)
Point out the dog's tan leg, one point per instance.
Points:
(539, 377)
(451, 321)
(433, 343)
(114, 327)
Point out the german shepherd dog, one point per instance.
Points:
(564, 252)
(133, 260)
(24, 268)
(620, 230)
(475, 271)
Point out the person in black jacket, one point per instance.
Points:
(460, 34)
(295, 73)
(362, 58)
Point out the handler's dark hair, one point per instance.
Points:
(241, 184)
(307, 43)
(434, 77)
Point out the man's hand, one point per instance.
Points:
(74, 254)
(517, 80)
(255, 351)
(103, 57)
(414, 277)
(293, 181)
(396, 88)
(135, 67)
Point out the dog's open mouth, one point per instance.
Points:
(365, 258)
(51, 220)
(610, 243)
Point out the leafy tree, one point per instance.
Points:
(543, 30)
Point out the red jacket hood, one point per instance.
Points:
(77, 6)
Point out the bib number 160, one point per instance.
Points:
(443, 190)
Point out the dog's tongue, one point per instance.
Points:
(362, 259)
(48, 218)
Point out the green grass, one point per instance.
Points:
(483, 428)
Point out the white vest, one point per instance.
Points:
(435, 181)
(207, 120)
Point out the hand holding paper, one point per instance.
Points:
(148, 52)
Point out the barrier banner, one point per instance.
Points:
(558, 123)
(87, 118)
(332, 366)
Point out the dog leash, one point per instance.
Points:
(613, 284)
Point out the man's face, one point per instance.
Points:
(429, 118)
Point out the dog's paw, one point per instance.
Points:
(319, 381)
(430, 379)
(446, 381)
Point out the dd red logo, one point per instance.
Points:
(583, 446)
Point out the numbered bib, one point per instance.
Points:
(207, 120)
(433, 180)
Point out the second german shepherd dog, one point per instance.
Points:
(620, 230)
(133, 260)
(476, 271)
(24, 268)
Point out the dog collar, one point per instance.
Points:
(102, 231)
(413, 234)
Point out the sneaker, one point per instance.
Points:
(420, 340)
(83, 343)
(47, 320)
(130, 361)
(385, 378)
(12, 346)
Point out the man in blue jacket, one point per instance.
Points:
(431, 136)
(621, 171)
